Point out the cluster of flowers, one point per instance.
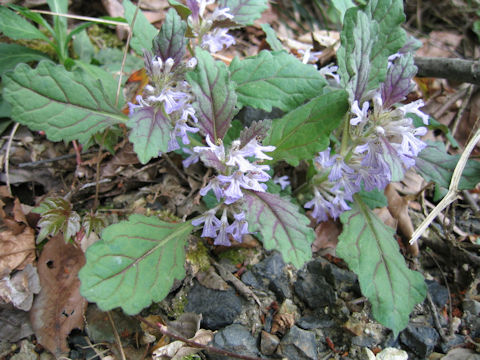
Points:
(169, 91)
(167, 88)
(204, 25)
(385, 145)
(236, 172)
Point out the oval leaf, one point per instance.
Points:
(244, 12)
(275, 79)
(371, 251)
(282, 227)
(16, 27)
(66, 105)
(303, 132)
(215, 95)
(135, 263)
(150, 132)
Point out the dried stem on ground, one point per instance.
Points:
(458, 70)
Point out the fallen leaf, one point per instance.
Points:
(16, 250)
(14, 324)
(326, 236)
(59, 307)
(177, 350)
(210, 279)
(20, 287)
(398, 207)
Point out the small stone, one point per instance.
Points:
(235, 338)
(268, 343)
(27, 352)
(471, 306)
(219, 308)
(438, 293)
(314, 290)
(420, 339)
(298, 344)
(364, 341)
(316, 320)
(455, 340)
(392, 354)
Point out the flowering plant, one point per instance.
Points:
(347, 122)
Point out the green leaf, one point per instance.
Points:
(66, 105)
(57, 216)
(34, 17)
(111, 61)
(150, 133)
(170, 41)
(280, 225)
(342, 6)
(134, 264)
(244, 12)
(435, 164)
(16, 27)
(182, 10)
(143, 32)
(368, 39)
(83, 46)
(272, 39)
(275, 79)
(13, 54)
(60, 27)
(373, 199)
(371, 251)
(305, 131)
(214, 93)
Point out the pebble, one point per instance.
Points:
(420, 339)
(235, 338)
(298, 344)
(218, 308)
(268, 343)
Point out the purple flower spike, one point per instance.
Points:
(362, 115)
(217, 39)
(215, 186)
(239, 227)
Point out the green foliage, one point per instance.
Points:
(93, 222)
(305, 131)
(275, 79)
(13, 54)
(143, 32)
(368, 38)
(373, 199)
(135, 263)
(435, 164)
(150, 132)
(16, 27)
(170, 41)
(57, 216)
(66, 105)
(244, 12)
(280, 226)
(371, 251)
(272, 39)
(83, 46)
(215, 95)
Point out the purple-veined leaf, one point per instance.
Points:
(214, 93)
(280, 225)
(398, 83)
(275, 79)
(256, 130)
(371, 251)
(135, 263)
(66, 105)
(150, 132)
(211, 160)
(244, 12)
(170, 41)
(368, 38)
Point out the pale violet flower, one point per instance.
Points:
(217, 40)
(331, 71)
(239, 227)
(222, 237)
(218, 150)
(282, 181)
(214, 185)
(361, 115)
(414, 107)
(191, 159)
(210, 223)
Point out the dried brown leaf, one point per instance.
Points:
(282, 322)
(326, 235)
(178, 350)
(59, 308)
(398, 207)
(19, 288)
(210, 279)
(16, 250)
